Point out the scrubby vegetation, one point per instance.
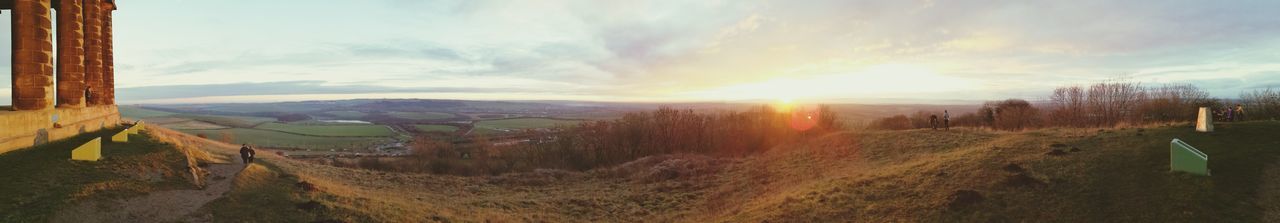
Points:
(605, 143)
(1104, 104)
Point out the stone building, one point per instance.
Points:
(84, 99)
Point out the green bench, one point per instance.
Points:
(1184, 158)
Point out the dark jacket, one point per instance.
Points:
(246, 152)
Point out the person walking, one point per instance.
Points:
(933, 121)
(946, 120)
(247, 153)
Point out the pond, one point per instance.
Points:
(346, 121)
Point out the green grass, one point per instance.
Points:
(192, 125)
(346, 114)
(524, 123)
(344, 130)
(420, 115)
(36, 182)
(281, 139)
(225, 120)
(135, 112)
(436, 128)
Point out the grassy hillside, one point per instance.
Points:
(959, 175)
(919, 175)
(35, 183)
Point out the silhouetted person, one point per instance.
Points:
(946, 120)
(247, 154)
(933, 121)
(87, 96)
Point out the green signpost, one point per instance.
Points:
(1183, 157)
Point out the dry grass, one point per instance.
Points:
(918, 175)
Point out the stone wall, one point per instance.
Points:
(85, 68)
(29, 128)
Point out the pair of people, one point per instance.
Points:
(1232, 115)
(946, 120)
(247, 154)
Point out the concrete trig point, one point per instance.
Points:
(84, 61)
(1204, 121)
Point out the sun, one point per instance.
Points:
(785, 104)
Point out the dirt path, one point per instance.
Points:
(160, 206)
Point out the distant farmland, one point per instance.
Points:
(353, 130)
(281, 139)
(436, 128)
(524, 123)
(420, 115)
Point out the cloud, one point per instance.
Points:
(283, 88)
(673, 48)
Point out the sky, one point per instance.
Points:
(187, 51)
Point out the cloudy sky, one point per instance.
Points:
(238, 50)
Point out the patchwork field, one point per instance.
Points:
(281, 139)
(524, 123)
(350, 130)
(191, 124)
(436, 128)
(223, 120)
(138, 112)
(420, 115)
(346, 114)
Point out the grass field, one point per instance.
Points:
(524, 123)
(436, 128)
(346, 114)
(136, 112)
(281, 139)
(192, 124)
(879, 176)
(37, 182)
(420, 115)
(341, 130)
(224, 120)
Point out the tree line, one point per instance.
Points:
(1103, 104)
(609, 142)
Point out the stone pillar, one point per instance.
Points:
(93, 51)
(32, 55)
(71, 82)
(108, 58)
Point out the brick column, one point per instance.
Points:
(108, 58)
(71, 54)
(93, 51)
(32, 55)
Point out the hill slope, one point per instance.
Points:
(971, 175)
(959, 175)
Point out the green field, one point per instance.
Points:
(281, 139)
(436, 128)
(224, 120)
(420, 115)
(330, 130)
(524, 123)
(346, 114)
(192, 124)
(135, 112)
